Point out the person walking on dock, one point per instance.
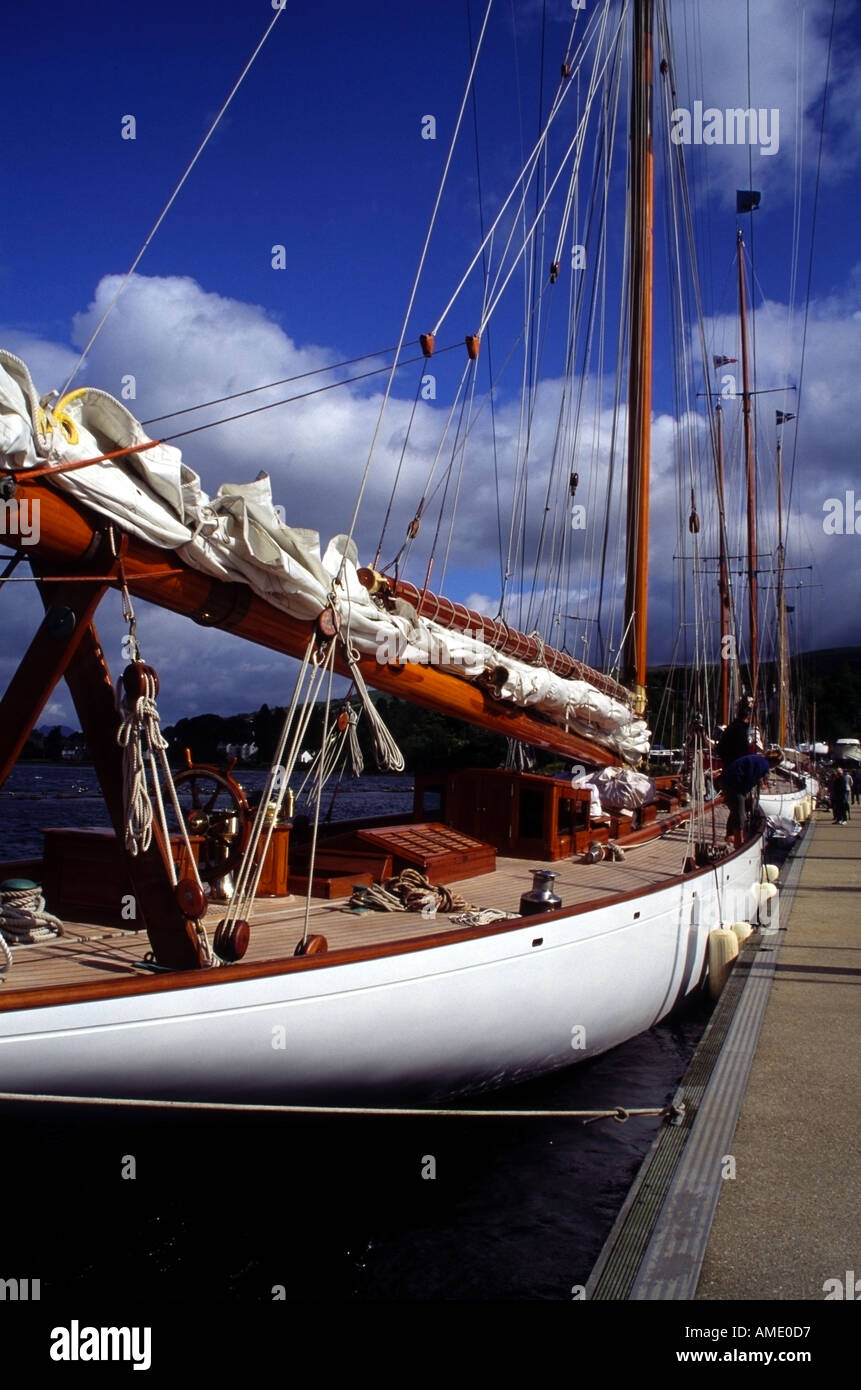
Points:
(839, 800)
(848, 791)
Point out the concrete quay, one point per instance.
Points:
(790, 1220)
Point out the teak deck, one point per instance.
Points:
(88, 953)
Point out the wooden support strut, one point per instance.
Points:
(66, 644)
(173, 941)
(68, 611)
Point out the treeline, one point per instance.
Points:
(829, 679)
(427, 740)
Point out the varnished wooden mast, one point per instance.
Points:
(782, 674)
(750, 457)
(640, 353)
(723, 579)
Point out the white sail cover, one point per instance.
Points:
(238, 535)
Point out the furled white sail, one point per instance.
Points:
(238, 535)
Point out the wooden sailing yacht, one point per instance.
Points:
(317, 1001)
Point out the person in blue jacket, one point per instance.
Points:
(738, 780)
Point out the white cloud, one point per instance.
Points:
(183, 344)
(788, 49)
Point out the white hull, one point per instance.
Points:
(424, 1024)
(791, 805)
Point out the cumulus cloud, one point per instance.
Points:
(788, 44)
(182, 344)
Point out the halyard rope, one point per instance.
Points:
(272, 797)
(139, 725)
(387, 754)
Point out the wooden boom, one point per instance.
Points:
(496, 633)
(69, 543)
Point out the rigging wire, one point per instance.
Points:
(577, 140)
(545, 591)
(422, 258)
(523, 180)
(388, 511)
(168, 205)
(485, 272)
(288, 400)
(282, 381)
(812, 243)
(606, 640)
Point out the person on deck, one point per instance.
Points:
(734, 742)
(738, 780)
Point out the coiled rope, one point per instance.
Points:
(23, 921)
(411, 891)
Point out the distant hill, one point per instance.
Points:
(829, 679)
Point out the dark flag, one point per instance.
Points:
(783, 417)
(724, 361)
(746, 200)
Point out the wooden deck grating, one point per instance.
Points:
(87, 953)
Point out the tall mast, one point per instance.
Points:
(640, 354)
(723, 579)
(750, 457)
(781, 605)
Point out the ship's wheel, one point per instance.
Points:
(214, 806)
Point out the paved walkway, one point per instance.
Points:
(791, 1218)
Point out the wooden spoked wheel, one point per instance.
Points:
(213, 805)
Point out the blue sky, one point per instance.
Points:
(321, 152)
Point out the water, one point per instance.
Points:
(36, 796)
(234, 1207)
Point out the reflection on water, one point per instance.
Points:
(338, 1207)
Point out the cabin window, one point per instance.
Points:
(573, 814)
